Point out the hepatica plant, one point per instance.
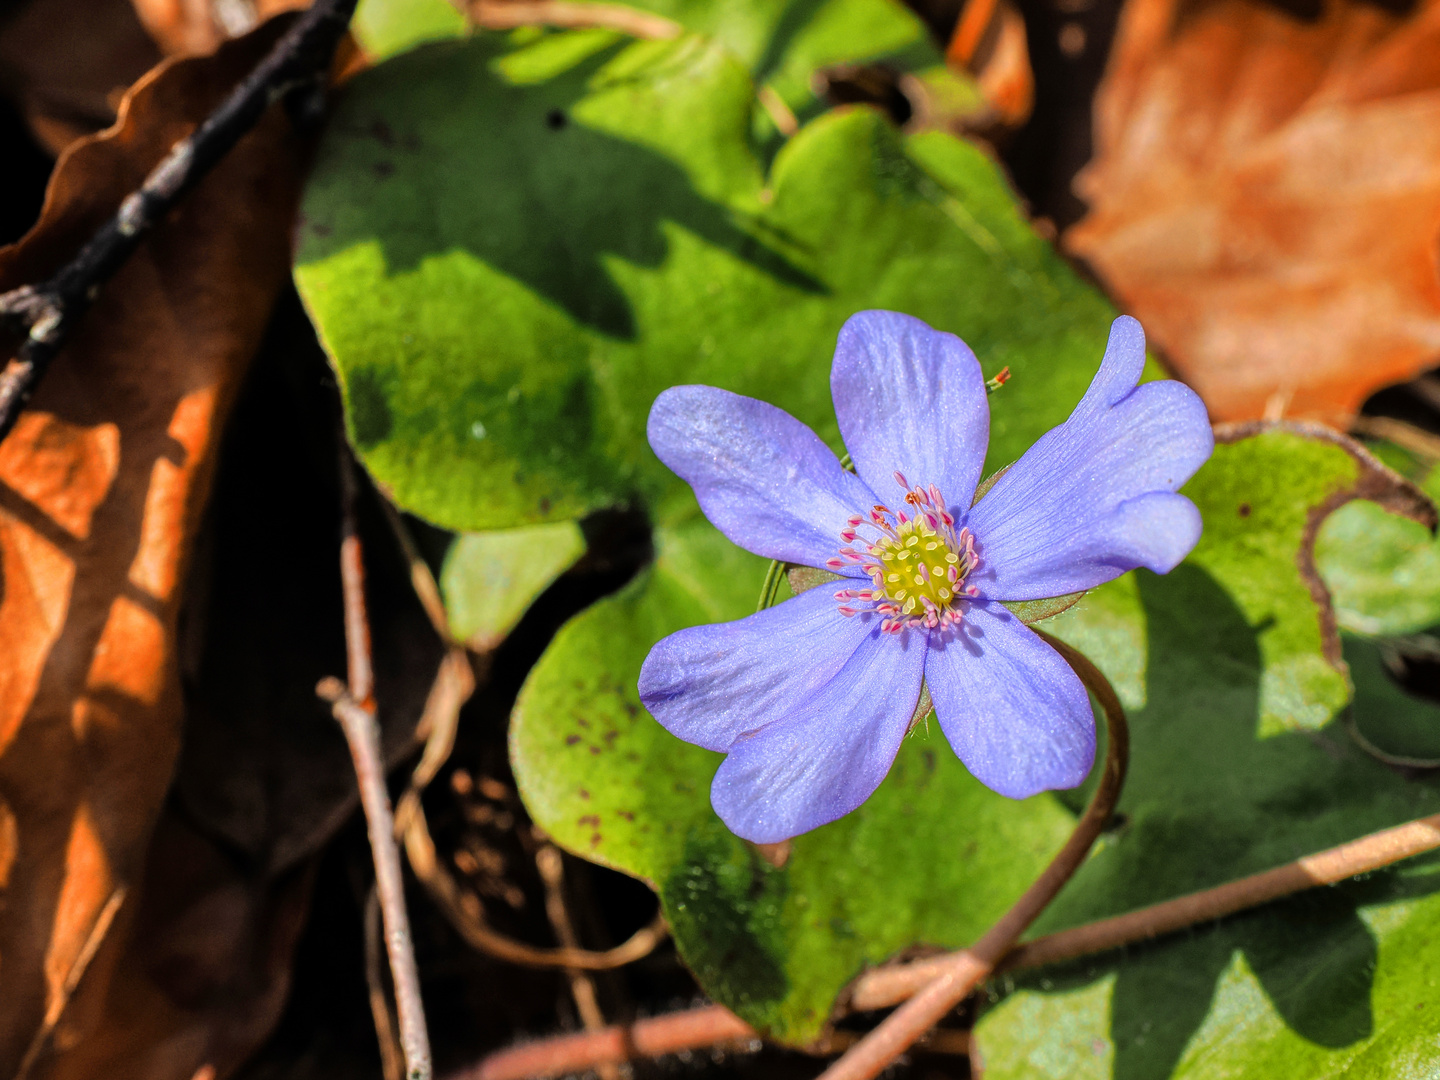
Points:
(810, 699)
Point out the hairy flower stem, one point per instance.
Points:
(962, 971)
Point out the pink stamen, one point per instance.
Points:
(925, 520)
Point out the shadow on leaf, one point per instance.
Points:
(1208, 800)
(525, 185)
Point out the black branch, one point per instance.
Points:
(48, 313)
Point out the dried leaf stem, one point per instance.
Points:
(49, 311)
(466, 916)
(566, 14)
(889, 986)
(354, 708)
(960, 972)
(551, 865)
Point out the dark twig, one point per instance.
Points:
(49, 312)
(355, 710)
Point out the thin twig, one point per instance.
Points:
(363, 735)
(1328, 867)
(689, 1029)
(551, 866)
(705, 1026)
(354, 708)
(961, 972)
(392, 1061)
(49, 312)
(427, 590)
(884, 987)
(1418, 441)
(360, 673)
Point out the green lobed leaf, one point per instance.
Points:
(1383, 569)
(385, 28)
(1230, 774)
(933, 856)
(1338, 982)
(489, 579)
(504, 298)
(784, 44)
(538, 282)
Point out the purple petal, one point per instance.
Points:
(830, 755)
(1095, 496)
(763, 478)
(1015, 713)
(709, 685)
(910, 399)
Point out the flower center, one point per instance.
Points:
(916, 559)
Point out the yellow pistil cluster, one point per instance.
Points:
(915, 564)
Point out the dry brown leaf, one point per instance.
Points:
(1265, 198)
(204, 969)
(197, 27)
(66, 64)
(989, 43)
(102, 484)
(264, 767)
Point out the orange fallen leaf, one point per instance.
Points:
(102, 485)
(989, 43)
(197, 27)
(1265, 198)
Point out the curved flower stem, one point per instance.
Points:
(959, 973)
(879, 989)
(884, 987)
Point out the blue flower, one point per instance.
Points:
(810, 699)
